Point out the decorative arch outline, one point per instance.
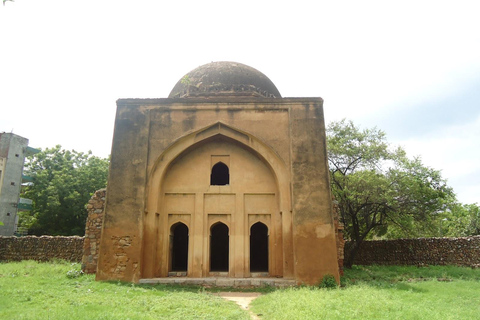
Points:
(278, 168)
(250, 142)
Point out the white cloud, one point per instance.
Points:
(456, 151)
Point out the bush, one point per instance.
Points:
(328, 281)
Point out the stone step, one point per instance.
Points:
(223, 282)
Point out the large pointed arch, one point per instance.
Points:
(265, 152)
(192, 140)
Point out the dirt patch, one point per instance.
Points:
(243, 299)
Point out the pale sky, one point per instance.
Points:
(410, 68)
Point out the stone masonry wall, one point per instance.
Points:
(42, 248)
(339, 236)
(423, 251)
(93, 231)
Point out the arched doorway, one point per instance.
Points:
(179, 247)
(219, 248)
(259, 248)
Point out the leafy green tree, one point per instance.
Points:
(378, 188)
(461, 221)
(63, 182)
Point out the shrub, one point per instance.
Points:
(328, 281)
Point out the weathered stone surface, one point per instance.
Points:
(423, 251)
(42, 248)
(93, 229)
(164, 153)
(224, 78)
(339, 237)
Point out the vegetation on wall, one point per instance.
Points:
(382, 192)
(63, 182)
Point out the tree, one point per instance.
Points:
(378, 188)
(63, 182)
(461, 220)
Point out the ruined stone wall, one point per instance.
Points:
(42, 248)
(93, 231)
(339, 236)
(423, 251)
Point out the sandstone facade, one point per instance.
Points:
(223, 178)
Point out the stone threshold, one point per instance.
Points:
(224, 282)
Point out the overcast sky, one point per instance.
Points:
(411, 68)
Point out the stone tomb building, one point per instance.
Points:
(224, 178)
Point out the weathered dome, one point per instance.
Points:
(224, 79)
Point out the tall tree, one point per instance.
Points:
(63, 182)
(377, 187)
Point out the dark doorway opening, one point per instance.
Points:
(219, 247)
(220, 175)
(259, 248)
(179, 245)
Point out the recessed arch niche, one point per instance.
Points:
(259, 248)
(182, 187)
(219, 248)
(178, 247)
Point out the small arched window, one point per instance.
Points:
(220, 175)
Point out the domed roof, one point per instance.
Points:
(224, 78)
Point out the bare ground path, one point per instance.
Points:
(243, 299)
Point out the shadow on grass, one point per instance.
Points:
(191, 288)
(400, 278)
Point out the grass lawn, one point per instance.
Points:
(31, 290)
(376, 292)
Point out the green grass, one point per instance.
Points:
(31, 290)
(379, 292)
